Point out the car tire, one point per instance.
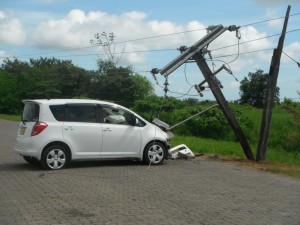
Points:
(154, 153)
(31, 160)
(55, 157)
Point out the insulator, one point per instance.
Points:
(199, 89)
(227, 69)
(182, 48)
(155, 71)
(233, 28)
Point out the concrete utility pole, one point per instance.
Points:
(196, 53)
(270, 94)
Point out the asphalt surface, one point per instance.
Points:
(196, 191)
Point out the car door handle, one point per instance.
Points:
(69, 128)
(107, 129)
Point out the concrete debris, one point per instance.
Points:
(181, 152)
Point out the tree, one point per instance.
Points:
(57, 78)
(38, 78)
(253, 88)
(118, 84)
(106, 41)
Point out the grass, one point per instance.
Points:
(278, 161)
(10, 117)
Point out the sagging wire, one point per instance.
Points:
(238, 36)
(186, 76)
(166, 84)
(154, 137)
(228, 69)
(292, 59)
(212, 61)
(154, 72)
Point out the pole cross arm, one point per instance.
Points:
(214, 32)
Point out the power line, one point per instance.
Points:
(264, 21)
(163, 50)
(244, 53)
(292, 59)
(147, 38)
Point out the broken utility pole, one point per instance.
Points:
(196, 53)
(270, 94)
(223, 104)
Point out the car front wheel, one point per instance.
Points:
(154, 153)
(55, 157)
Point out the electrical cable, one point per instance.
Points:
(292, 59)
(145, 51)
(186, 76)
(264, 21)
(238, 36)
(151, 37)
(154, 138)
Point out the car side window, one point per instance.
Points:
(81, 113)
(114, 115)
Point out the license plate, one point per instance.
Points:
(22, 130)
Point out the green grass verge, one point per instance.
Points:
(10, 117)
(277, 161)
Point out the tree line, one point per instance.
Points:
(46, 78)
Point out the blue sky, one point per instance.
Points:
(63, 29)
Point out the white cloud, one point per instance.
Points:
(11, 30)
(2, 56)
(77, 28)
(272, 14)
(234, 84)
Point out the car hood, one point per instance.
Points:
(163, 127)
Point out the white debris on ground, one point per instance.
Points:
(181, 152)
(177, 152)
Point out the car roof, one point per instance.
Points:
(66, 101)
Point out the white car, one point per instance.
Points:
(56, 131)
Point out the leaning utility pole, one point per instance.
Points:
(270, 94)
(196, 52)
(213, 84)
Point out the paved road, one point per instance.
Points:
(194, 191)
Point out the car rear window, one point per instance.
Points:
(31, 112)
(58, 112)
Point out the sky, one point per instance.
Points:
(148, 34)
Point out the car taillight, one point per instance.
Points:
(38, 128)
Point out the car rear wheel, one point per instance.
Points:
(55, 157)
(154, 153)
